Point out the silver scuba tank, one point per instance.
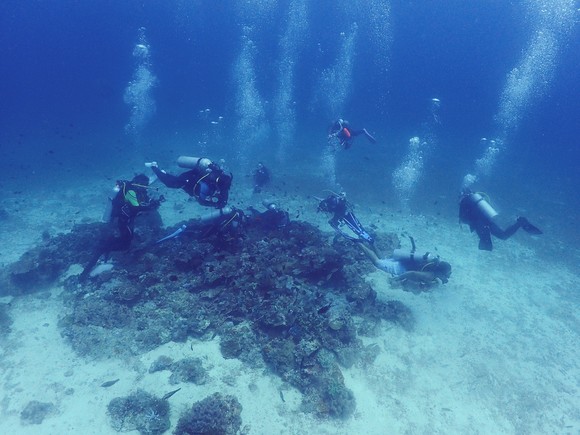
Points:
(106, 218)
(406, 255)
(193, 162)
(214, 215)
(484, 206)
(107, 212)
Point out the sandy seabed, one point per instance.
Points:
(493, 351)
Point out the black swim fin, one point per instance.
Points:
(485, 243)
(528, 227)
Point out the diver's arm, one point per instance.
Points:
(153, 204)
(371, 255)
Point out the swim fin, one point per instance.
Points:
(485, 243)
(528, 227)
(369, 136)
(173, 234)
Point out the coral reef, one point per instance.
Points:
(216, 414)
(293, 299)
(162, 363)
(43, 265)
(35, 412)
(188, 370)
(139, 411)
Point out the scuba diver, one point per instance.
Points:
(205, 180)
(261, 177)
(131, 199)
(475, 210)
(344, 216)
(410, 268)
(229, 222)
(271, 219)
(223, 223)
(344, 133)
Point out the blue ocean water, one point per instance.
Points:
(66, 66)
(91, 90)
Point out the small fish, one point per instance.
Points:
(324, 309)
(171, 393)
(282, 396)
(109, 383)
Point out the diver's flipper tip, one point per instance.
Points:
(528, 227)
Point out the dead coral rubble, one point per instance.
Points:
(291, 298)
(216, 414)
(139, 411)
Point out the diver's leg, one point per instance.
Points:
(528, 227)
(371, 255)
(121, 243)
(369, 136)
(92, 262)
(504, 234)
(356, 227)
(364, 131)
(169, 180)
(484, 235)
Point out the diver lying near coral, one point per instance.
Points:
(227, 221)
(343, 218)
(231, 221)
(475, 210)
(412, 270)
(131, 199)
(205, 180)
(273, 218)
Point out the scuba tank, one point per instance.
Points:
(404, 255)
(106, 218)
(193, 162)
(108, 211)
(478, 200)
(214, 215)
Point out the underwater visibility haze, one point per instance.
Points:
(455, 95)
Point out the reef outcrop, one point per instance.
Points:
(293, 299)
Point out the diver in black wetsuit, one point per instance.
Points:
(476, 211)
(131, 199)
(205, 181)
(343, 216)
(261, 177)
(231, 222)
(271, 219)
(344, 133)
